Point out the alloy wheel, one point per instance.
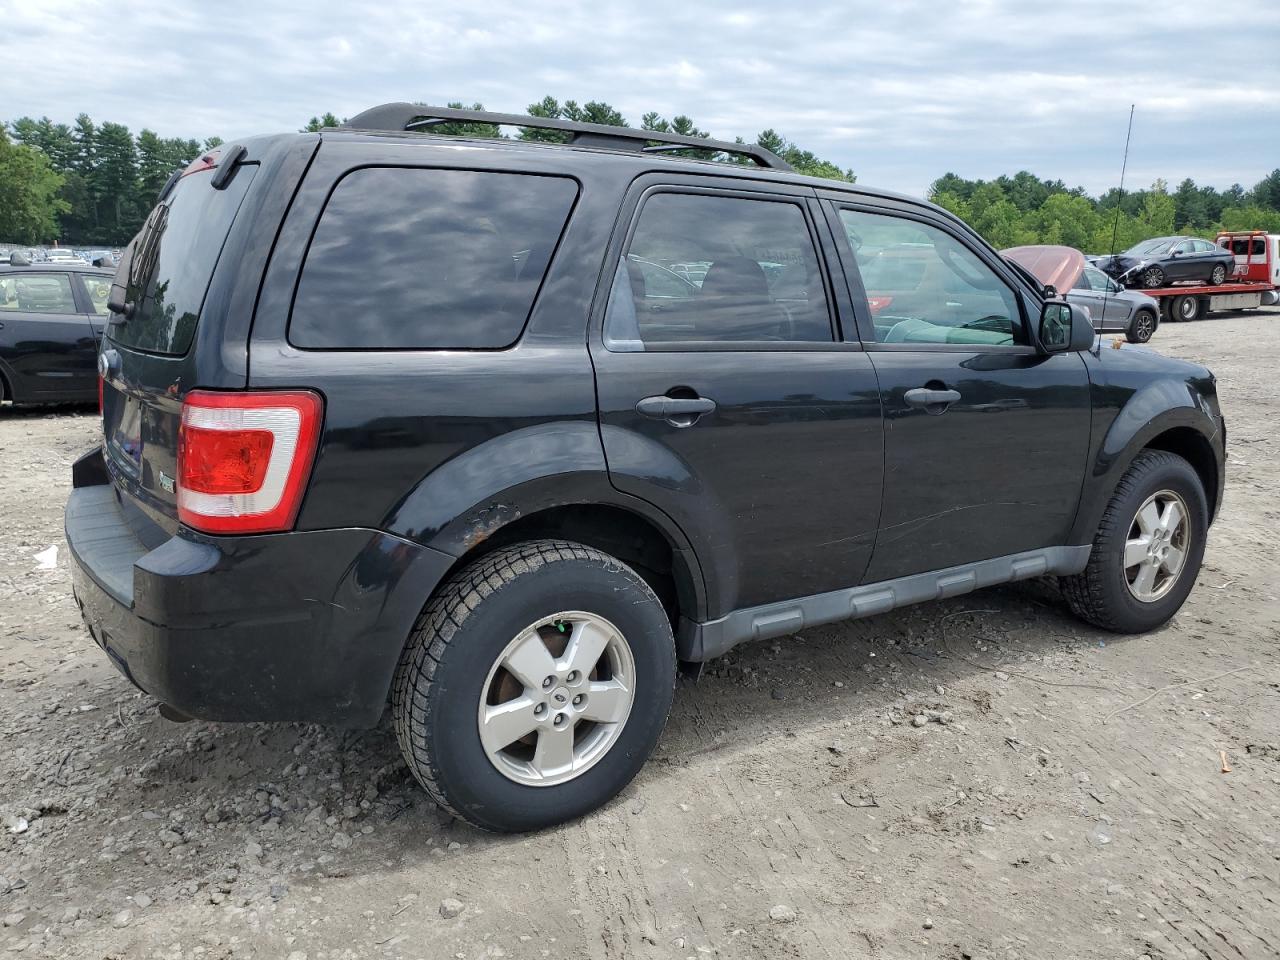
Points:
(1155, 551)
(1145, 327)
(1153, 277)
(1219, 275)
(557, 698)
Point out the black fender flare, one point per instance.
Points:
(1153, 410)
(467, 500)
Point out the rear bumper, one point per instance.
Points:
(302, 626)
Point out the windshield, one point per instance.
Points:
(1158, 245)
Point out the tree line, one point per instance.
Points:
(90, 184)
(1023, 209)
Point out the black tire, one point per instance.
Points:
(1219, 275)
(1101, 594)
(1152, 278)
(1185, 309)
(460, 636)
(1142, 326)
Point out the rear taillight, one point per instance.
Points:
(244, 459)
(100, 394)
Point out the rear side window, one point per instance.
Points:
(173, 259)
(37, 293)
(428, 259)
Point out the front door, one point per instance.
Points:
(726, 398)
(986, 439)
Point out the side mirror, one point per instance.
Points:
(1065, 327)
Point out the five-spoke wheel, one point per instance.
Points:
(535, 685)
(557, 698)
(1156, 550)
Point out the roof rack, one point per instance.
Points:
(416, 116)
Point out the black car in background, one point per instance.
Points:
(1164, 260)
(51, 317)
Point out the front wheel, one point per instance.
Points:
(1141, 327)
(1147, 552)
(1153, 278)
(534, 686)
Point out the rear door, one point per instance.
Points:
(49, 345)
(985, 438)
(728, 400)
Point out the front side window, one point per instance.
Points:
(712, 269)
(37, 293)
(924, 286)
(424, 259)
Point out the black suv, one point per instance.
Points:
(504, 430)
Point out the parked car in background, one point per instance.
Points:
(1114, 308)
(60, 255)
(1164, 260)
(1111, 307)
(513, 498)
(51, 317)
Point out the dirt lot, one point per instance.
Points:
(1064, 796)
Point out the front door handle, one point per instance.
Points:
(934, 401)
(677, 411)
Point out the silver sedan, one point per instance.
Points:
(1113, 308)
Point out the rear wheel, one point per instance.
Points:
(1153, 278)
(1185, 309)
(1141, 327)
(1219, 275)
(1147, 552)
(535, 685)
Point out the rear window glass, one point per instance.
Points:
(428, 259)
(173, 260)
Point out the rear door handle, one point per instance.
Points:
(677, 411)
(931, 400)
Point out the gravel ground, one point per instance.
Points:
(977, 778)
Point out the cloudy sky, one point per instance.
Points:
(900, 90)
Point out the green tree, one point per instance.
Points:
(29, 200)
(114, 183)
(1064, 218)
(1156, 215)
(316, 124)
(1266, 192)
(1190, 207)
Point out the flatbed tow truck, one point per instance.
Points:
(1255, 281)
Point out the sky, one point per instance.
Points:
(901, 91)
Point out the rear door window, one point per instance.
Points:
(173, 260)
(37, 293)
(426, 259)
(710, 269)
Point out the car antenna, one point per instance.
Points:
(1115, 224)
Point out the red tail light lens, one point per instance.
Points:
(100, 389)
(244, 459)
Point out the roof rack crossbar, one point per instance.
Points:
(415, 116)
